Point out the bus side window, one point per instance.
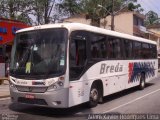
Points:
(114, 48)
(145, 51)
(128, 49)
(77, 55)
(98, 46)
(153, 50)
(80, 52)
(137, 50)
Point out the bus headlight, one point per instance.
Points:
(57, 85)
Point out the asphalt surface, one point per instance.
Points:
(143, 103)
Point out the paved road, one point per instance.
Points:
(126, 102)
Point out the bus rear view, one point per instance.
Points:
(38, 67)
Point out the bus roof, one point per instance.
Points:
(80, 26)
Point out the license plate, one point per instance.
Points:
(29, 96)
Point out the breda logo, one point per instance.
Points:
(110, 68)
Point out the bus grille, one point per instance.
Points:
(32, 101)
(31, 89)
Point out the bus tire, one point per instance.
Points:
(142, 82)
(94, 96)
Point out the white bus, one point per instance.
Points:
(63, 65)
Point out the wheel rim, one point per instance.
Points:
(142, 83)
(94, 95)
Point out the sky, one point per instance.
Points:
(148, 5)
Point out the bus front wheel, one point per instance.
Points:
(94, 96)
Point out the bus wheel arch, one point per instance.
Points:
(96, 93)
(142, 81)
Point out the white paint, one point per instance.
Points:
(79, 26)
(24, 82)
(112, 81)
(132, 101)
(114, 73)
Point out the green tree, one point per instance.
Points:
(45, 11)
(151, 18)
(133, 7)
(70, 7)
(95, 13)
(40, 11)
(30, 11)
(16, 9)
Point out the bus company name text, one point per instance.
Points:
(110, 68)
(21, 82)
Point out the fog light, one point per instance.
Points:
(56, 102)
(54, 86)
(60, 83)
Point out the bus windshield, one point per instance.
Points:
(39, 53)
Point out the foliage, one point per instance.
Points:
(16, 9)
(48, 11)
(152, 18)
(133, 7)
(70, 7)
(29, 11)
(93, 11)
(42, 11)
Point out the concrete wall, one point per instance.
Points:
(154, 34)
(78, 20)
(122, 22)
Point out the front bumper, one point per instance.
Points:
(55, 99)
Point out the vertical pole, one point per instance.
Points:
(112, 16)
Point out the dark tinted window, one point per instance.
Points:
(77, 54)
(114, 48)
(153, 50)
(128, 49)
(98, 46)
(137, 50)
(145, 51)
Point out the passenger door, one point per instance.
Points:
(77, 68)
